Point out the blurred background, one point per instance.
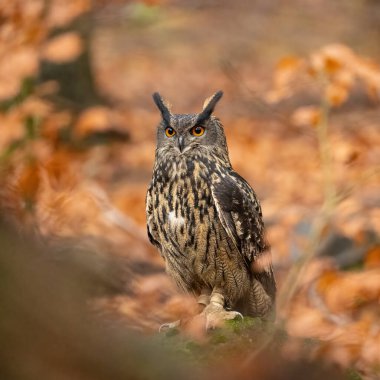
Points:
(77, 138)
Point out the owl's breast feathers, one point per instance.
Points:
(206, 221)
(185, 191)
(178, 201)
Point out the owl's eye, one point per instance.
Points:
(169, 132)
(197, 131)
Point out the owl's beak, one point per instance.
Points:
(181, 143)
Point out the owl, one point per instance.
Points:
(206, 220)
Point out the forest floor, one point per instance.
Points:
(325, 245)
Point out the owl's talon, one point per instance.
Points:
(169, 326)
(216, 315)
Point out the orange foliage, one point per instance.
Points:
(334, 67)
(63, 48)
(306, 116)
(373, 257)
(61, 191)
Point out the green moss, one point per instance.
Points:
(351, 374)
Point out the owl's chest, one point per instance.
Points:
(184, 209)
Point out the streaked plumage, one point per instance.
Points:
(205, 219)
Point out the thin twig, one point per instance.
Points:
(325, 155)
(116, 217)
(330, 200)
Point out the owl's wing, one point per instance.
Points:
(240, 214)
(150, 224)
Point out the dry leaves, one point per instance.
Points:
(306, 116)
(286, 72)
(59, 192)
(335, 69)
(63, 48)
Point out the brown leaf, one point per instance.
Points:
(286, 67)
(336, 94)
(344, 78)
(29, 182)
(63, 48)
(97, 119)
(345, 346)
(16, 65)
(330, 60)
(367, 70)
(285, 72)
(62, 12)
(349, 291)
(371, 348)
(308, 322)
(372, 259)
(306, 116)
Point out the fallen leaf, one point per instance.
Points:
(336, 94)
(372, 259)
(63, 48)
(306, 116)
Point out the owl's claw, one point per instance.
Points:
(237, 314)
(169, 325)
(216, 315)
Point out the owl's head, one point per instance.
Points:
(181, 134)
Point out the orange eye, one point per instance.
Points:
(197, 131)
(169, 132)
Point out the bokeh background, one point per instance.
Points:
(301, 112)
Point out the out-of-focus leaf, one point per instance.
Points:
(285, 72)
(63, 48)
(96, 119)
(330, 59)
(350, 290)
(372, 259)
(28, 184)
(61, 12)
(336, 94)
(309, 322)
(306, 116)
(19, 64)
(27, 87)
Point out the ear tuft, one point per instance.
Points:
(163, 106)
(209, 105)
(207, 101)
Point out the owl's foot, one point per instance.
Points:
(215, 312)
(203, 300)
(170, 325)
(216, 315)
